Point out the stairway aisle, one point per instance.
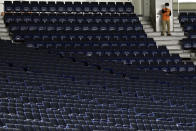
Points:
(4, 33)
(171, 42)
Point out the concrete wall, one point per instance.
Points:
(153, 13)
(185, 6)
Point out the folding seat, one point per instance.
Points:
(18, 38)
(192, 19)
(86, 7)
(17, 6)
(71, 19)
(129, 7)
(24, 28)
(166, 69)
(18, 19)
(9, 18)
(59, 29)
(36, 37)
(52, 6)
(112, 28)
(43, 6)
(36, 18)
(188, 27)
(103, 7)
(120, 7)
(187, 44)
(53, 19)
(129, 28)
(33, 28)
(173, 69)
(35, 7)
(62, 19)
(183, 19)
(14, 28)
(190, 68)
(8, 6)
(25, 6)
(41, 28)
(78, 7)
(60, 6)
(27, 19)
(134, 20)
(94, 28)
(77, 27)
(138, 27)
(111, 7)
(95, 7)
(69, 7)
(51, 28)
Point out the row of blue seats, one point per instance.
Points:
(61, 18)
(69, 15)
(166, 64)
(76, 27)
(43, 6)
(189, 44)
(184, 14)
(91, 44)
(69, 37)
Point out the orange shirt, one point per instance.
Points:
(166, 14)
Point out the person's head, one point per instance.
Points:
(166, 5)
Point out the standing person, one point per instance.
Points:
(166, 13)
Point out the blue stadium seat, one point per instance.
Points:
(17, 6)
(8, 6)
(35, 6)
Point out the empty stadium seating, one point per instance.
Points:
(112, 37)
(188, 21)
(47, 89)
(89, 66)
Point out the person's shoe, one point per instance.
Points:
(168, 34)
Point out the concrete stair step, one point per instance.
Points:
(2, 25)
(176, 22)
(147, 26)
(4, 34)
(185, 55)
(2, 30)
(152, 34)
(149, 30)
(175, 17)
(174, 47)
(178, 29)
(163, 38)
(5, 37)
(179, 51)
(166, 42)
(1, 22)
(177, 25)
(144, 22)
